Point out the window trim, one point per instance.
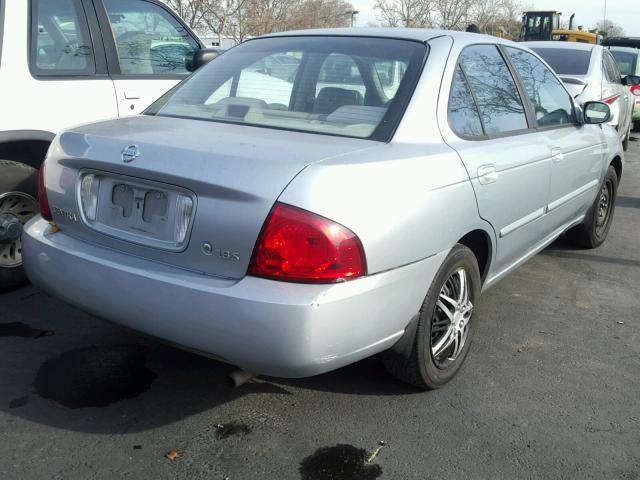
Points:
(516, 79)
(536, 125)
(2, 3)
(42, 74)
(111, 49)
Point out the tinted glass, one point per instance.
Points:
(148, 38)
(315, 84)
(60, 39)
(463, 115)
(494, 88)
(550, 100)
(613, 73)
(626, 61)
(566, 61)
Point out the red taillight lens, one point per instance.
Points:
(636, 90)
(45, 211)
(611, 100)
(299, 246)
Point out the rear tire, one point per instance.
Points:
(18, 196)
(625, 142)
(593, 231)
(441, 338)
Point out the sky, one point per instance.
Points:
(588, 12)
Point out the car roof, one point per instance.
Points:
(417, 34)
(563, 45)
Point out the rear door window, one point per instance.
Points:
(566, 61)
(551, 102)
(60, 40)
(613, 73)
(149, 39)
(499, 102)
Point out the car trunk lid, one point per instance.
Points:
(222, 178)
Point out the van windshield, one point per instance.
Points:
(347, 86)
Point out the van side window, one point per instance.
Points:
(464, 118)
(551, 102)
(499, 102)
(60, 40)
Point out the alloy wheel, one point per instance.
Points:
(450, 323)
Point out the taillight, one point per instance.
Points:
(611, 100)
(299, 246)
(45, 211)
(636, 90)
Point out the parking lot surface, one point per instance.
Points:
(550, 390)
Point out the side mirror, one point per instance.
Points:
(202, 57)
(596, 113)
(631, 80)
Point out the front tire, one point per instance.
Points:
(593, 231)
(18, 203)
(444, 326)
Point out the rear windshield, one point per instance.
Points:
(348, 86)
(626, 61)
(566, 61)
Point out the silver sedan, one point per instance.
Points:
(309, 199)
(591, 73)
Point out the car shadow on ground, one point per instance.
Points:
(126, 383)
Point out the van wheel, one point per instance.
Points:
(593, 231)
(18, 194)
(445, 325)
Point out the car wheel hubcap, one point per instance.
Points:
(604, 208)
(16, 209)
(450, 323)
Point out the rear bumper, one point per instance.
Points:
(263, 326)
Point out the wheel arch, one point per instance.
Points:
(616, 163)
(480, 243)
(25, 146)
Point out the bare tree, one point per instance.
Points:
(607, 28)
(406, 13)
(191, 11)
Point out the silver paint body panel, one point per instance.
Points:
(409, 201)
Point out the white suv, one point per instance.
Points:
(66, 62)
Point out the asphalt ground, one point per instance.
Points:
(550, 390)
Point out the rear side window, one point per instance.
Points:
(464, 118)
(497, 96)
(613, 74)
(551, 102)
(626, 61)
(565, 61)
(60, 41)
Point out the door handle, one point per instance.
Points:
(487, 174)
(131, 95)
(557, 155)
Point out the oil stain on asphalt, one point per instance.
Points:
(19, 329)
(231, 429)
(341, 462)
(96, 376)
